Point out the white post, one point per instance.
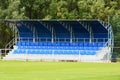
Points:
(71, 34)
(53, 55)
(26, 55)
(34, 34)
(52, 35)
(90, 34)
(79, 56)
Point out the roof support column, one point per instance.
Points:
(71, 34)
(91, 36)
(52, 34)
(34, 34)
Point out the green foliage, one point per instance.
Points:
(59, 9)
(5, 35)
(115, 21)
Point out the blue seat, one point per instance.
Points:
(56, 52)
(49, 52)
(31, 44)
(53, 44)
(86, 44)
(72, 44)
(49, 44)
(82, 52)
(81, 48)
(45, 44)
(80, 44)
(29, 52)
(36, 44)
(101, 44)
(57, 44)
(67, 44)
(91, 45)
(87, 53)
(19, 44)
(37, 51)
(76, 52)
(40, 44)
(90, 48)
(20, 47)
(23, 44)
(62, 44)
(21, 51)
(92, 52)
(95, 45)
(15, 51)
(95, 48)
(27, 44)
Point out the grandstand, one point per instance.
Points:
(58, 40)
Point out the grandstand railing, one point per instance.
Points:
(10, 45)
(37, 39)
(31, 39)
(4, 52)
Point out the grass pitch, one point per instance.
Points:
(20, 70)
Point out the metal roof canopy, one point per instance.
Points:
(93, 23)
(90, 22)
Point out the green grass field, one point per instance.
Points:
(20, 70)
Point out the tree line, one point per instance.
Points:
(59, 9)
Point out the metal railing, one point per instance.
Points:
(10, 45)
(4, 52)
(37, 39)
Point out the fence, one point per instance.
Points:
(31, 39)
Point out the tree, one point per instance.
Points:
(14, 11)
(101, 9)
(5, 35)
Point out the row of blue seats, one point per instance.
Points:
(100, 35)
(82, 35)
(44, 36)
(62, 36)
(60, 44)
(40, 36)
(58, 48)
(22, 28)
(54, 52)
(57, 35)
(43, 39)
(26, 35)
